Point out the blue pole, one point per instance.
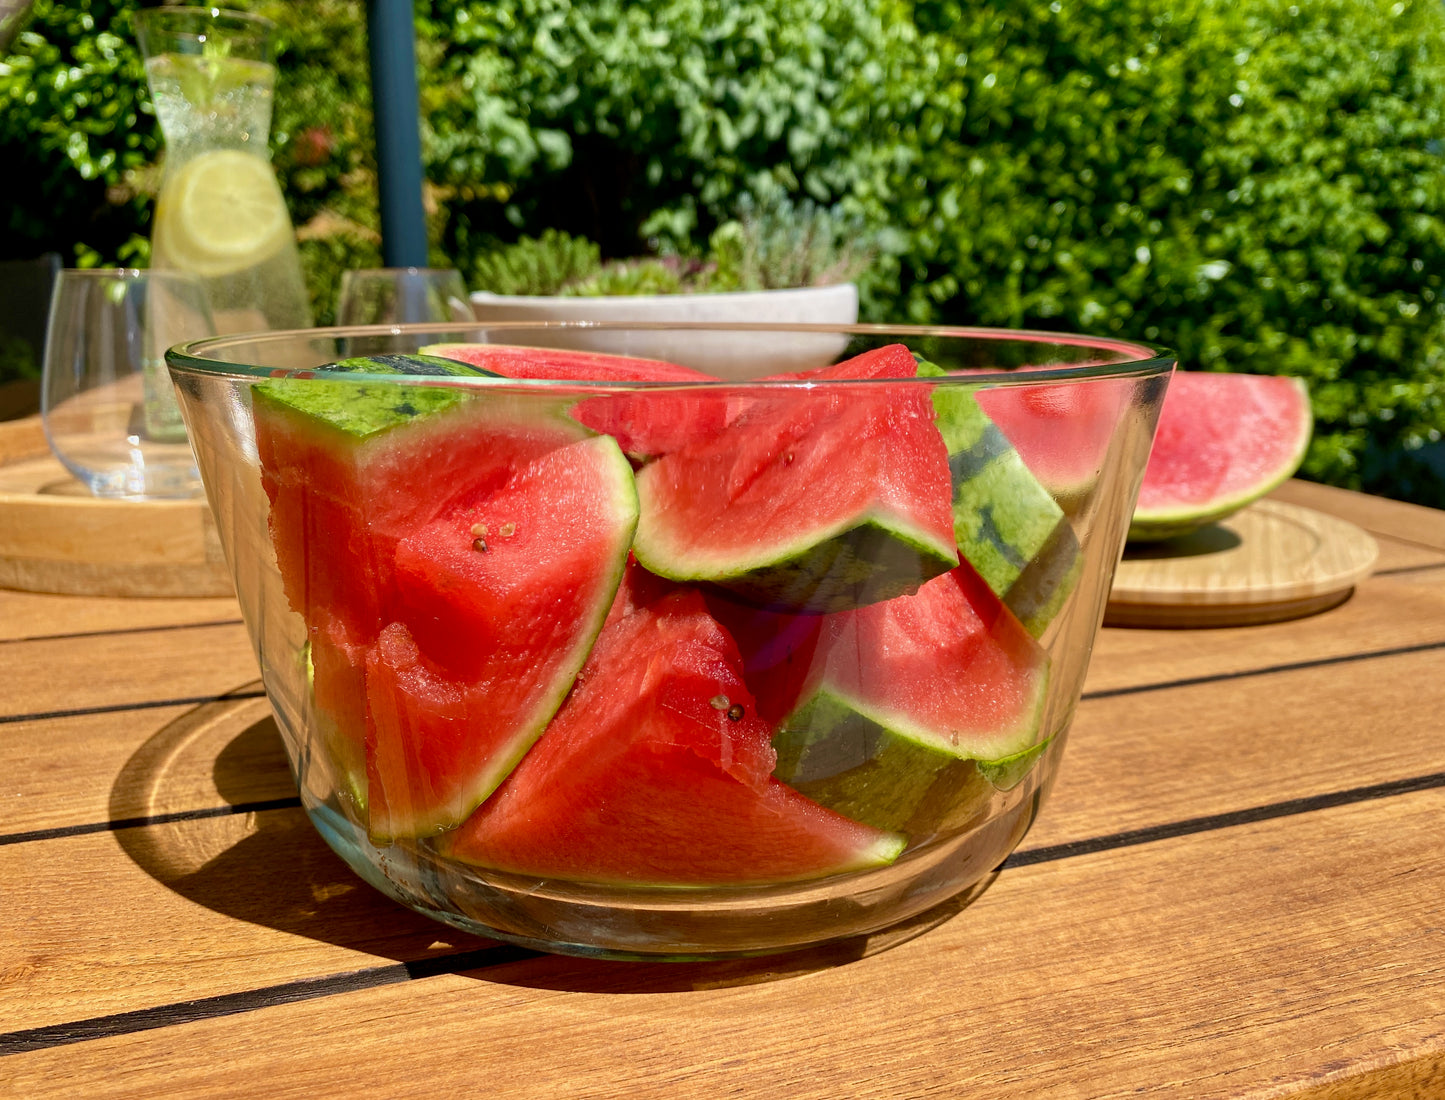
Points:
(392, 37)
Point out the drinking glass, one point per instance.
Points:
(399, 295)
(107, 402)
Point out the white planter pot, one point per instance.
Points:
(722, 354)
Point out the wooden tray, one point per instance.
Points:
(56, 537)
(1271, 561)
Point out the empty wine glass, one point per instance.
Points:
(107, 402)
(401, 295)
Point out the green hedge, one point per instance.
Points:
(1255, 183)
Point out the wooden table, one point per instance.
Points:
(1236, 890)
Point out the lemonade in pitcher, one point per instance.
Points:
(220, 213)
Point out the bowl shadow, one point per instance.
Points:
(207, 807)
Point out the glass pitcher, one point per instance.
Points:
(220, 214)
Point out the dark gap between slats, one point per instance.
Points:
(292, 803)
(1399, 570)
(1267, 670)
(123, 630)
(117, 708)
(1188, 826)
(229, 1004)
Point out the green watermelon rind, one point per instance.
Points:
(987, 747)
(856, 561)
(1160, 524)
(362, 409)
(1007, 524)
(891, 763)
(529, 730)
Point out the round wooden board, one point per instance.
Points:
(56, 537)
(1271, 561)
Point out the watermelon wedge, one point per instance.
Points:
(644, 424)
(453, 556)
(1008, 526)
(348, 466)
(813, 500)
(1223, 441)
(656, 772)
(497, 604)
(910, 693)
(1060, 430)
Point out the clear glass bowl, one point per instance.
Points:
(678, 668)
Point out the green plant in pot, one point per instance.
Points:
(775, 262)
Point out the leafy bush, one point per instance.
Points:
(1257, 183)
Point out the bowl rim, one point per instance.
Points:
(1139, 359)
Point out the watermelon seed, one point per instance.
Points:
(735, 712)
(508, 530)
(480, 530)
(480, 546)
(719, 702)
(788, 459)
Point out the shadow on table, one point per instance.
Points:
(208, 808)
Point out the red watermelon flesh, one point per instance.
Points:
(1061, 430)
(951, 660)
(911, 692)
(340, 499)
(812, 500)
(656, 771)
(781, 653)
(643, 424)
(1223, 440)
(497, 604)
(338, 684)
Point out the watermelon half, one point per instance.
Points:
(908, 695)
(814, 499)
(657, 772)
(1223, 441)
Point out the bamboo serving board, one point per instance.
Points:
(56, 537)
(1270, 562)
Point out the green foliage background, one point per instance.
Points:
(1256, 183)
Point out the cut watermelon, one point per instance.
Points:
(1061, 431)
(656, 772)
(813, 499)
(1008, 526)
(336, 667)
(352, 468)
(911, 692)
(643, 424)
(497, 604)
(1223, 441)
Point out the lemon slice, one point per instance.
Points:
(221, 213)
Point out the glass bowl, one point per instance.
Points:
(604, 656)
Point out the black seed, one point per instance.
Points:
(736, 712)
(480, 546)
